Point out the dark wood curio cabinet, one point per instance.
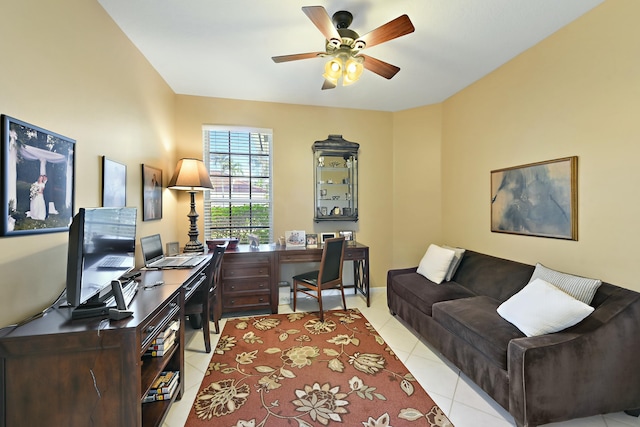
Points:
(335, 179)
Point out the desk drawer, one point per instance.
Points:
(253, 285)
(240, 271)
(235, 302)
(153, 326)
(354, 254)
(308, 255)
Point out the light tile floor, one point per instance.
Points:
(463, 402)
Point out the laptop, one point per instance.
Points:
(153, 255)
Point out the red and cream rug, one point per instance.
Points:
(294, 370)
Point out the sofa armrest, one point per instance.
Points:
(578, 372)
(392, 273)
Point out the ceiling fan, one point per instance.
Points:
(344, 45)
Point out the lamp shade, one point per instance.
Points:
(190, 174)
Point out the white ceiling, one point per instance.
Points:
(223, 48)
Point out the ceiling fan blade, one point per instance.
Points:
(322, 20)
(328, 85)
(296, 56)
(393, 29)
(379, 67)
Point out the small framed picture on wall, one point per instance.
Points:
(151, 193)
(114, 184)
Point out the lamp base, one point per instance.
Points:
(193, 245)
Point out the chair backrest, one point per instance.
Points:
(332, 260)
(215, 267)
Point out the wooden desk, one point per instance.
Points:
(250, 276)
(59, 371)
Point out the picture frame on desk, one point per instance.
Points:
(38, 177)
(349, 236)
(151, 193)
(327, 235)
(312, 240)
(295, 239)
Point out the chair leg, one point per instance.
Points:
(295, 294)
(344, 301)
(205, 327)
(214, 316)
(319, 291)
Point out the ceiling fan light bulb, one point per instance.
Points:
(333, 70)
(353, 71)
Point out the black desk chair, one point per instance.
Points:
(200, 307)
(329, 275)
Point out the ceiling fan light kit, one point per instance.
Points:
(343, 46)
(343, 66)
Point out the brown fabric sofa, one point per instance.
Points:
(590, 368)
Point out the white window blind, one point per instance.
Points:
(239, 162)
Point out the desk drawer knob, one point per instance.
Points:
(261, 300)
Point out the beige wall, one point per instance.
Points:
(417, 187)
(295, 128)
(67, 68)
(577, 93)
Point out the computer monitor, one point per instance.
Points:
(101, 249)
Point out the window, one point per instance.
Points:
(239, 162)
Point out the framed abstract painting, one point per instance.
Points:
(537, 199)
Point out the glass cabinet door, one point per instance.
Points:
(336, 179)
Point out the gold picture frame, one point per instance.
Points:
(537, 199)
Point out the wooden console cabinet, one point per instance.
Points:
(248, 281)
(55, 371)
(250, 276)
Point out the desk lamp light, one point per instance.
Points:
(191, 175)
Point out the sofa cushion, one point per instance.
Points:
(580, 288)
(455, 262)
(423, 293)
(495, 277)
(476, 321)
(435, 263)
(541, 308)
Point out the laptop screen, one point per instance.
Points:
(151, 248)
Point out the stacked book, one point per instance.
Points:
(164, 387)
(163, 342)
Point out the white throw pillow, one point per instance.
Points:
(435, 263)
(455, 262)
(581, 288)
(541, 308)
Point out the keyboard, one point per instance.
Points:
(129, 291)
(179, 261)
(112, 262)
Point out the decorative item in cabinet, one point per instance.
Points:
(336, 179)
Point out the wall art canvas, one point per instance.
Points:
(114, 184)
(538, 199)
(151, 193)
(38, 175)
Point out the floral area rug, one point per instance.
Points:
(294, 370)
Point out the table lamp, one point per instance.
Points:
(191, 175)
